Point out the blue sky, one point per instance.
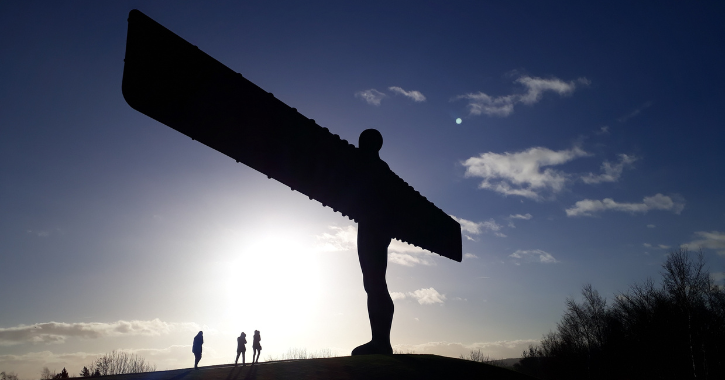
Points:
(590, 145)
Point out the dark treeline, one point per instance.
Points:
(672, 331)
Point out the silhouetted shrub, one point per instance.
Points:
(8, 375)
(302, 353)
(480, 357)
(675, 331)
(118, 363)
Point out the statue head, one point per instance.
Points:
(370, 141)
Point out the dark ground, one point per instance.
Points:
(398, 367)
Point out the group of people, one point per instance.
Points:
(241, 348)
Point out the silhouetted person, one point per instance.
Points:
(256, 347)
(373, 238)
(241, 348)
(196, 348)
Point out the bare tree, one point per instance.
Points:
(47, 374)
(118, 363)
(480, 357)
(688, 283)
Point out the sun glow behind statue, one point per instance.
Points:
(271, 284)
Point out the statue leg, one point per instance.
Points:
(372, 248)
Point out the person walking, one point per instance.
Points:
(257, 348)
(241, 348)
(196, 348)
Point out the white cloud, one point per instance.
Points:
(650, 226)
(468, 226)
(495, 350)
(415, 95)
(481, 103)
(503, 106)
(714, 240)
(603, 130)
(590, 207)
(535, 87)
(477, 228)
(610, 172)
(428, 296)
(345, 239)
(491, 225)
(470, 256)
(408, 260)
(659, 246)
(58, 332)
(43, 234)
(519, 216)
(341, 239)
(397, 295)
(409, 255)
(371, 96)
(534, 255)
(636, 112)
(522, 173)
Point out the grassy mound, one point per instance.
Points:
(398, 367)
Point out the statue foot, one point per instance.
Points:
(372, 347)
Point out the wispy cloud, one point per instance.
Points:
(526, 173)
(409, 260)
(397, 295)
(341, 239)
(415, 95)
(424, 296)
(534, 255)
(470, 256)
(714, 240)
(502, 106)
(610, 172)
(518, 216)
(635, 112)
(658, 246)
(409, 255)
(58, 332)
(371, 96)
(590, 207)
(474, 228)
(39, 233)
